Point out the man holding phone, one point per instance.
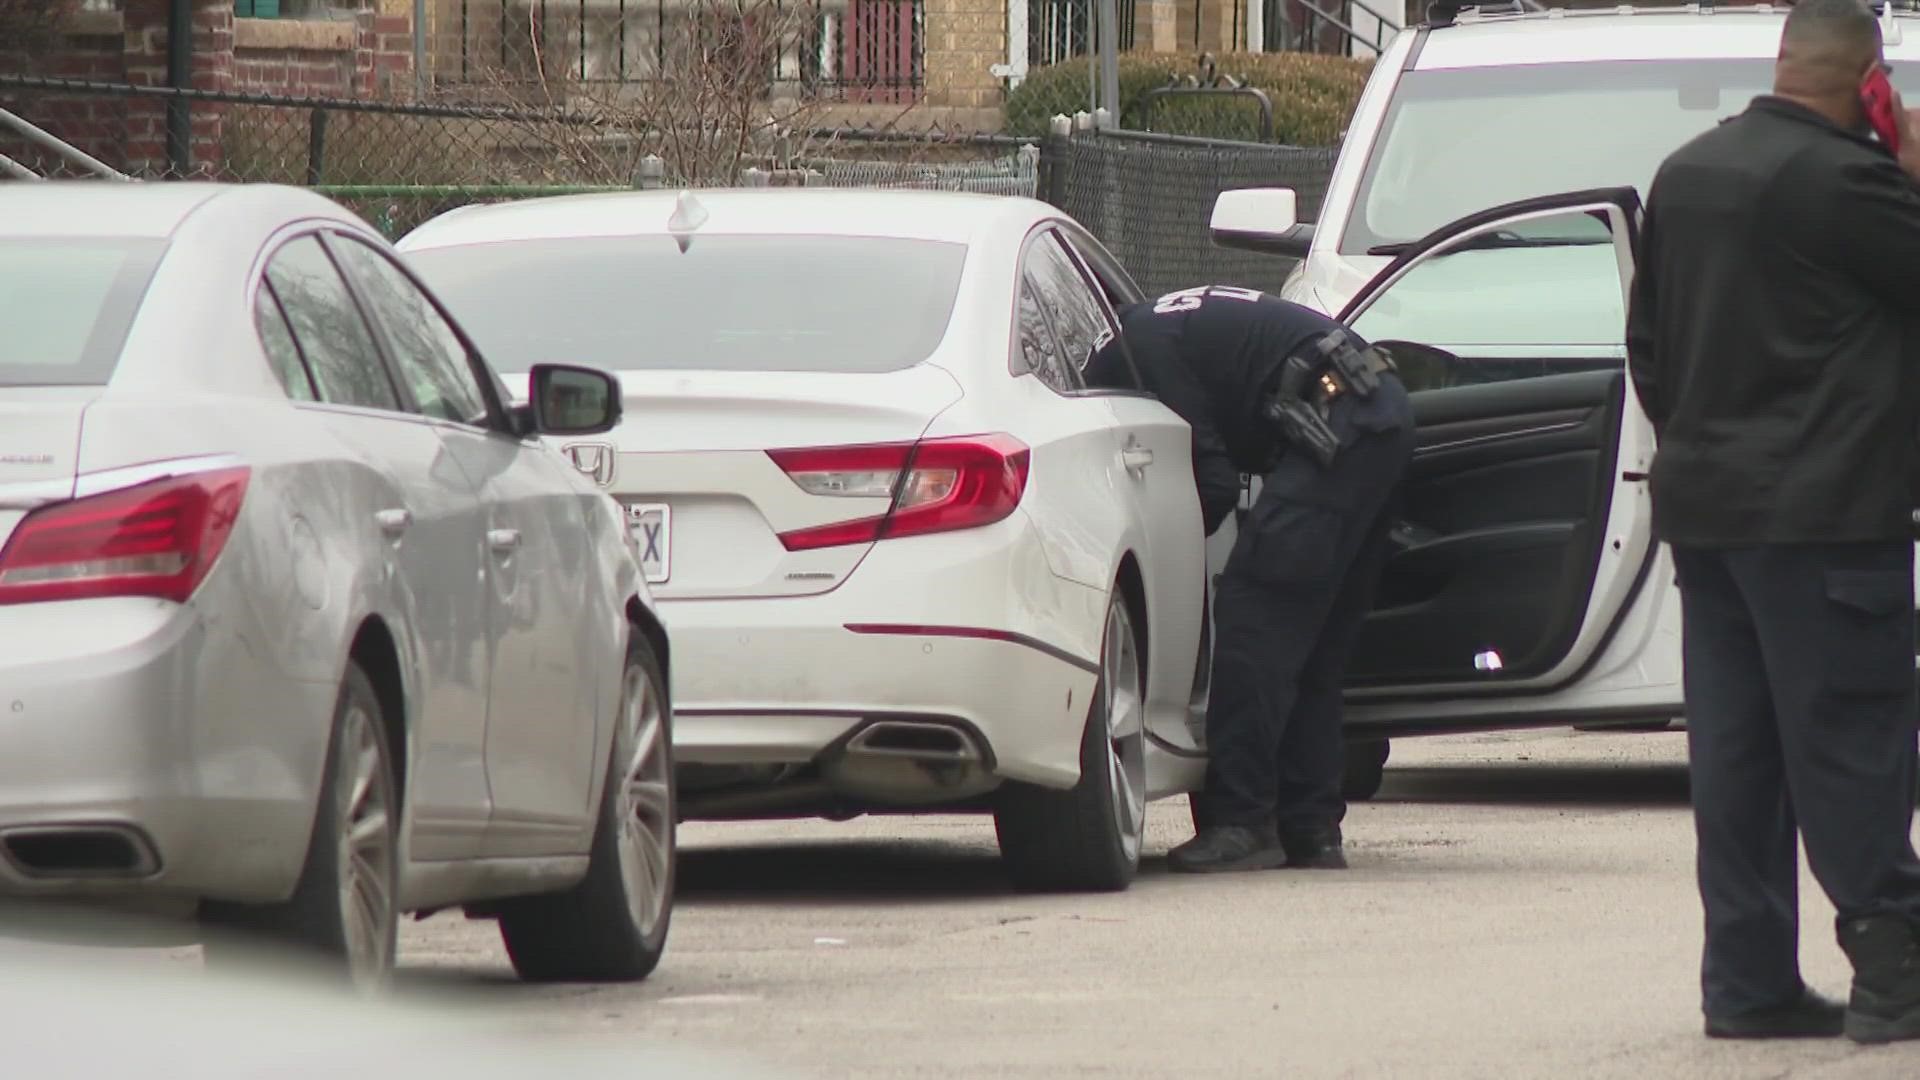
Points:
(1771, 338)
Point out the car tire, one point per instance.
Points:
(342, 915)
(1088, 838)
(1366, 769)
(612, 926)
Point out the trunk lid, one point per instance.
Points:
(39, 447)
(706, 503)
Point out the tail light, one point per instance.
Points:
(937, 485)
(156, 539)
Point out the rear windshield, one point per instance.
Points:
(728, 303)
(65, 305)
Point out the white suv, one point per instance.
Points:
(1526, 590)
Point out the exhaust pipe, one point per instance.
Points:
(917, 740)
(79, 851)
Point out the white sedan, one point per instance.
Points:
(910, 561)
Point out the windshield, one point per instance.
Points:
(65, 305)
(1458, 141)
(728, 303)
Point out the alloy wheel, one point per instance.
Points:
(645, 804)
(1126, 730)
(365, 850)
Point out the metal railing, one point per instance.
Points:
(1325, 26)
(60, 148)
(1060, 30)
(863, 50)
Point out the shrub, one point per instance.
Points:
(1313, 95)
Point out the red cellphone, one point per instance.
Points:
(1876, 94)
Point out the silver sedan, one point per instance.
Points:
(301, 624)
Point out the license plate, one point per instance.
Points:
(652, 528)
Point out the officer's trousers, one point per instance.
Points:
(1287, 610)
(1800, 719)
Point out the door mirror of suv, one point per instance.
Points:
(568, 400)
(1266, 220)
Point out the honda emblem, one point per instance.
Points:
(593, 459)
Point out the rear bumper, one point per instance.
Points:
(147, 756)
(968, 631)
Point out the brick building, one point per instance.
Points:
(947, 62)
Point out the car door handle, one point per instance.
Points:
(1136, 458)
(395, 521)
(503, 540)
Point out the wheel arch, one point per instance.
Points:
(378, 654)
(1132, 587)
(648, 626)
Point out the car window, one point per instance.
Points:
(1518, 300)
(283, 353)
(1459, 139)
(1112, 367)
(334, 338)
(722, 302)
(431, 357)
(1077, 321)
(1036, 350)
(66, 304)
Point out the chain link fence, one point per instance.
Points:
(1149, 198)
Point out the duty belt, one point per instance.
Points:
(1311, 380)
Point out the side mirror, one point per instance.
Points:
(568, 400)
(1266, 220)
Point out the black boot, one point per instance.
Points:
(1314, 847)
(1809, 1016)
(1885, 950)
(1221, 848)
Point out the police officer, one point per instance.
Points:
(1274, 388)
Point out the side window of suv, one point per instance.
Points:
(328, 328)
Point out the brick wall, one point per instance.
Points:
(964, 40)
(369, 55)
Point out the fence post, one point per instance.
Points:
(653, 173)
(316, 146)
(1054, 151)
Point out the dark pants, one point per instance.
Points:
(1800, 717)
(1287, 610)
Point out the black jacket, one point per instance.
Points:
(1207, 353)
(1769, 335)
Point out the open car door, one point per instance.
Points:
(1525, 532)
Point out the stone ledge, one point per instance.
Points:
(307, 35)
(96, 24)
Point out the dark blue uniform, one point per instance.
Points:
(1302, 574)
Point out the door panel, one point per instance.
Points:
(1518, 542)
(423, 512)
(1500, 529)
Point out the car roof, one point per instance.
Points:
(99, 207)
(951, 216)
(147, 209)
(1490, 39)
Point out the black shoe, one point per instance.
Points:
(1810, 1016)
(1885, 1006)
(1314, 848)
(1227, 847)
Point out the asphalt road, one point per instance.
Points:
(1519, 906)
